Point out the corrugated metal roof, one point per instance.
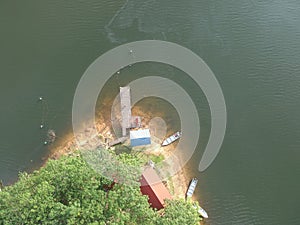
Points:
(152, 186)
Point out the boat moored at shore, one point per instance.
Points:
(202, 212)
(192, 187)
(171, 139)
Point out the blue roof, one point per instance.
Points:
(140, 141)
(140, 137)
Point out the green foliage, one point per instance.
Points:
(178, 212)
(118, 149)
(156, 158)
(125, 168)
(57, 194)
(69, 191)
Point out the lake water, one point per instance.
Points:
(251, 46)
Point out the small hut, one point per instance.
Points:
(152, 186)
(140, 137)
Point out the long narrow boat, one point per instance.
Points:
(192, 187)
(171, 139)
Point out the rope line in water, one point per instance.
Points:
(50, 135)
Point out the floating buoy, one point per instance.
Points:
(40, 98)
(45, 142)
(130, 51)
(42, 126)
(118, 72)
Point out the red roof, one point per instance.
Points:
(152, 186)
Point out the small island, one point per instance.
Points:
(74, 187)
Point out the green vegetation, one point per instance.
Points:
(157, 158)
(179, 212)
(70, 191)
(118, 149)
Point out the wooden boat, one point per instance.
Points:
(171, 139)
(192, 187)
(50, 137)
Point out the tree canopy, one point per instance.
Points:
(70, 191)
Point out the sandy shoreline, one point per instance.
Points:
(67, 145)
(177, 184)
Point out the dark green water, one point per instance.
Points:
(251, 46)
